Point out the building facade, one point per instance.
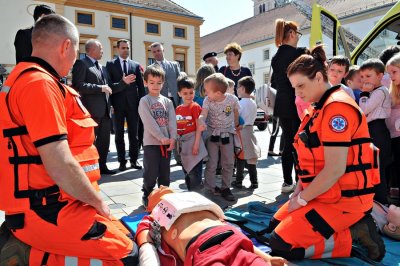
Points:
(256, 34)
(142, 22)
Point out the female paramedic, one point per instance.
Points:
(338, 169)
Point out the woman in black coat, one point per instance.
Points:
(286, 39)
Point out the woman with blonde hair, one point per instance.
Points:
(286, 39)
(393, 122)
(202, 73)
(234, 70)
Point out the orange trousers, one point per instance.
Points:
(315, 231)
(63, 240)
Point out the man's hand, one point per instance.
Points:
(171, 144)
(103, 210)
(106, 89)
(129, 79)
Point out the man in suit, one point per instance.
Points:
(127, 86)
(22, 42)
(171, 68)
(90, 79)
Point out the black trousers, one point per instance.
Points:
(156, 164)
(102, 140)
(381, 138)
(132, 119)
(289, 129)
(272, 139)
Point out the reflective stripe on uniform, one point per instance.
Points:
(96, 262)
(5, 89)
(89, 168)
(71, 261)
(329, 244)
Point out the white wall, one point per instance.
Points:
(14, 17)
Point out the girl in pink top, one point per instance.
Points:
(393, 121)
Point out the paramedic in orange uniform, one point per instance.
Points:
(338, 169)
(49, 166)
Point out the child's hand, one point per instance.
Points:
(195, 149)
(171, 144)
(165, 141)
(278, 261)
(367, 87)
(202, 127)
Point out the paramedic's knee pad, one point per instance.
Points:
(281, 248)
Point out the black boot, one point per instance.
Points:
(253, 176)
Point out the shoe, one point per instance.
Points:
(217, 191)
(234, 173)
(392, 231)
(253, 186)
(227, 194)
(286, 188)
(365, 233)
(106, 171)
(122, 166)
(145, 202)
(236, 184)
(272, 154)
(136, 165)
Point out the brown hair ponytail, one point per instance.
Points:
(282, 29)
(309, 64)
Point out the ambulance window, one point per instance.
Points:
(388, 36)
(329, 26)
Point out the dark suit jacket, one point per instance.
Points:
(87, 80)
(124, 94)
(285, 96)
(23, 44)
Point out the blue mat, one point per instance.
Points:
(257, 217)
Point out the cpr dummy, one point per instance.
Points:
(392, 228)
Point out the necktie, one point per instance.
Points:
(125, 69)
(99, 69)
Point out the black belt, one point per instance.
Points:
(212, 241)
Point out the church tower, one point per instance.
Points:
(261, 6)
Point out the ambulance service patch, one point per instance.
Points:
(338, 124)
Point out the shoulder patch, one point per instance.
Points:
(338, 123)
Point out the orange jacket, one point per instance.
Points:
(336, 120)
(22, 174)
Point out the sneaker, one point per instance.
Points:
(286, 188)
(217, 191)
(237, 184)
(253, 186)
(227, 194)
(365, 233)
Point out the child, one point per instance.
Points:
(353, 81)
(375, 103)
(158, 115)
(191, 146)
(393, 122)
(222, 111)
(231, 86)
(338, 67)
(250, 149)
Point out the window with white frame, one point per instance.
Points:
(266, 77)
(266, 54)
(252, 68)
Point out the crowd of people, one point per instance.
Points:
(52, 162)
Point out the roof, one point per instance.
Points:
(158, 5)
(262, 26)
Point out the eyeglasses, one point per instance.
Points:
(299, 34)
